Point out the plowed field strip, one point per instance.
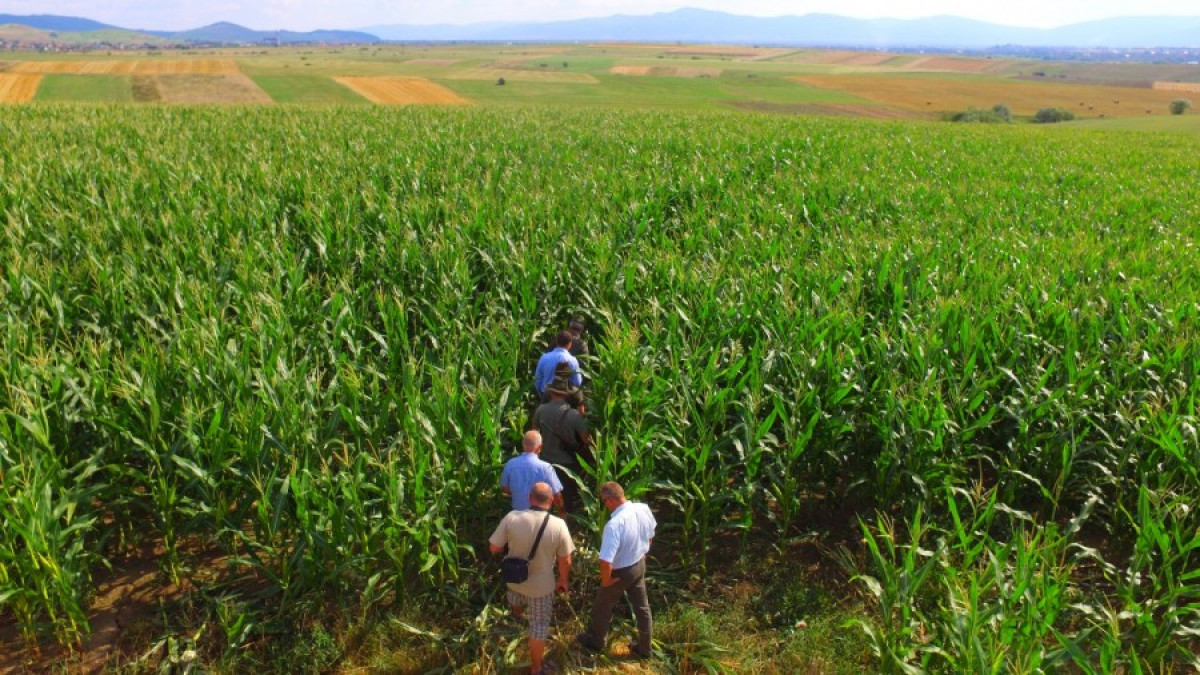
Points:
(402, 91)
(147, 67)
(698, 72)
(205, 89)
(957, 65)
(18, 88)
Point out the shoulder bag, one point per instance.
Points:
(515, 570)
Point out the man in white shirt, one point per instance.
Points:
(627, 538)
(518, 531)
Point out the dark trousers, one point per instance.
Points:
(570, 493)
(631, 580)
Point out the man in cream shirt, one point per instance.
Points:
(517, 531)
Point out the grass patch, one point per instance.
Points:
(1181, 124)
(622, 91)
(86, 89)
(307, 90)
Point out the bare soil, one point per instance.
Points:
(128, 597)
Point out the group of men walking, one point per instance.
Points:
(558, 437)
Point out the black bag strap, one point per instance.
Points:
(538, 539)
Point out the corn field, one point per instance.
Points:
(304, 340)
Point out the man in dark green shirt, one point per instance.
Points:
(564, 436)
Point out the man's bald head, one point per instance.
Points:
(532, 442)
(541, 495)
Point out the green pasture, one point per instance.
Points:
(85, 89)
(307, 90)
(1188, 123)
(647, 92)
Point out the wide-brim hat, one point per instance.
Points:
(561, 385)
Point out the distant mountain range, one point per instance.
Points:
(217, 33)
(699, 26)
(696, 25)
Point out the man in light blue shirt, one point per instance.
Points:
(526, 469)
(543, 375)
(623, 548)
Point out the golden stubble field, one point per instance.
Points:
(131, 67)
(402, 91)
(18, 87)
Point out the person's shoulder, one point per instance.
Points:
(551, 406)
(560, 526)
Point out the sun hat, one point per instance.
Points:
(560, 385)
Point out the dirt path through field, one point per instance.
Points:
(126, 605)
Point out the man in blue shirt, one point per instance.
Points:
(623, 548)
(544, 373)
(526, 469)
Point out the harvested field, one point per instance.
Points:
(191, 89)
(1177, 86)
(856, 110)
(18, 88)
(727, 52)
(697, 72)
(524, 75)
(146, 67)
(738, 53)
(402, 91)
(933, 94)
(145, 89)
(850, 58)
(659, 71)
(431, 62)
(950, 64)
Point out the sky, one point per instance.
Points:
(312, 14)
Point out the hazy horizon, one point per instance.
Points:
(305, 15)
